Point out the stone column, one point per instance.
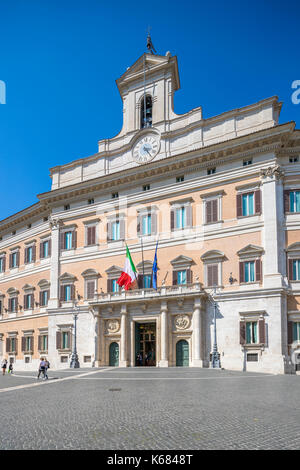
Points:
(55, 225)
(132, 343)
(123, 352)
(164, 362)
(197, 361)
(273, 235)
(98, 356)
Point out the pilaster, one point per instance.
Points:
(55, 225)
(164, 335)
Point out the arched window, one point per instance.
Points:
(146, 115)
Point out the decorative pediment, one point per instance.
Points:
(43, 283)
(12, 291)
(294, 247)
(293, 251)
(250, 250)
(182, 262)
(213, 255)
(28, 287)
(152, 63)
(90, 273)
(113, 272)
(67, 277)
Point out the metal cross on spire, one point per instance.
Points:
(150, 46)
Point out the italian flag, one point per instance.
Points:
(128, 276)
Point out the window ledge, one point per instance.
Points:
(64, 351)
(253, 346)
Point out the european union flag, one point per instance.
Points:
(154, 270)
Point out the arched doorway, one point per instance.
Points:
(182, 353)
(114, 355)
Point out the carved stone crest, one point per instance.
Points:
(182, 322)
(112, 326)
(272, 171)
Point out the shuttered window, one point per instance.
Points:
(45, 249)
(91, 235)
(211, 211)
(296, 331)
(90, 289)
(2, 264)
(44, 297)
(212, 275)
(249, 204)
(251, 271)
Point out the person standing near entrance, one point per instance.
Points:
(4, 365)
(10, 368)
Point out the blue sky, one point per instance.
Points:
(60, 60)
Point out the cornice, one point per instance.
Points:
(220, 152)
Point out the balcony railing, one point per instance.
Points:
(147, 294)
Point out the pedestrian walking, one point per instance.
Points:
(41, 368)
(47, 366)
(10, 368)
(4, 365)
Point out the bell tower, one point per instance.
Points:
(147, 90)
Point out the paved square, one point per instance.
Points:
(142, 408)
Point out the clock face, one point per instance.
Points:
(146, 148)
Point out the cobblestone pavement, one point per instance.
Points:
(176, 408)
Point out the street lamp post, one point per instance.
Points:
(215, 357)
(74, 364)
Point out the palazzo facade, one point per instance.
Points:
(220, 196)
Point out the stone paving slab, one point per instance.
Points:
(152, 409)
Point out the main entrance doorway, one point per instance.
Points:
(145, 344)
(182, 353)
(114, 355)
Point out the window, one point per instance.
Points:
(115, 230)
(68, 240)
(65, 339)
(295, 269)
(28, 302)
(180, 219)
(67, 207)
(146, 187)
(29, 254)
(181, 277)
(146, 224)
(68, 293)
(295, 201)
(13, 304)
(91, 201)
(114, 285)
(27, 344)
(211, 171)
(252, 357)
(249, 271)
(147, 281)
(247, 162)
(44, 297)
(179, 179)
(2, 264)
(45, 249)
(212, 278)
(296, 331)
(249, 203)
(14, 259)
(43, 342)
(115, 195)
(146, 112)
(251, 332)
(11, 344)
(294, 159)
(90, 289)
(211, 211)
(90, 235)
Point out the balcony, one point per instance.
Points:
(164, 292)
